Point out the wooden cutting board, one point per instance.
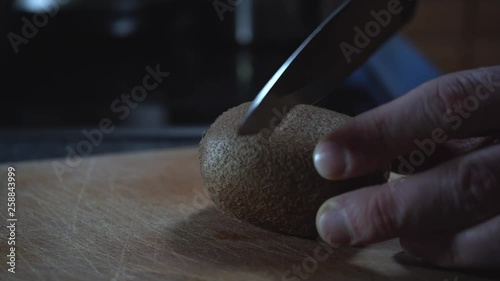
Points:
(144, 216)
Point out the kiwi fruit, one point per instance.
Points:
(269, 180)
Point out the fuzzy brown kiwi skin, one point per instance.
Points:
(270, 180)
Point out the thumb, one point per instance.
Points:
(457, 105)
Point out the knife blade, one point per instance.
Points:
(335, 49)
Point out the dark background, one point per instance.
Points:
(88, 53)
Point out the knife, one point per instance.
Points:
(334, 50)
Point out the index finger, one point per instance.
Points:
(453, 106)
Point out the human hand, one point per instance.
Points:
(448, 212)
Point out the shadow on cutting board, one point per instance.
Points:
(215, 242)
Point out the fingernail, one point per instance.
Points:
(330, 160)
(332, 224)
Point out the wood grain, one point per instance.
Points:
(144, 216)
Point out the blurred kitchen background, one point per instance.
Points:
(84, 54)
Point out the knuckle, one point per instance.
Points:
(477, 188)
(379, 128)
(448, 92)
(381, 218)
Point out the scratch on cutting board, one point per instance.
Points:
(37, 274)
(120, 270)
(121, 275)
(88, 261)
(38, 253)
(49, 210)
(82, 189)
